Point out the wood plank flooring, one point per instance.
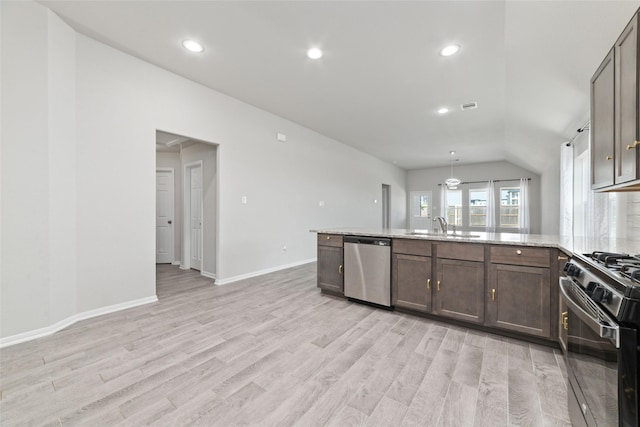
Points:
(273, 351)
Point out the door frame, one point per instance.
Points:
(172, 252)
(186, 215)
(413, 193)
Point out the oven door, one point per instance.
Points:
(592, 359)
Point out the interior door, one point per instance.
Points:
(164, 216)
(196, 217)
(420, 214)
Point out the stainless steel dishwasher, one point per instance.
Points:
(367, 269)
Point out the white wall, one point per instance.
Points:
(120, 101)
(38, 168)
(207, 154)
(428, 179)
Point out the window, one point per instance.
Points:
(509, 207)
(477, 208)
(454, 207)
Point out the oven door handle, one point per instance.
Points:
(610, 331)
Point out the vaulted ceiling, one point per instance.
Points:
(381, 79)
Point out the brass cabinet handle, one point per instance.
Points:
(565, 320)
(608, 157)
(428, 283)
(563, 258)
(518, 252)
(634, 145)
(340, 269)
(493, 294)
(438, 285)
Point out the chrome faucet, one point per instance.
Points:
(443, 223)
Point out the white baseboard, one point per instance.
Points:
(175, 263)
(52, 329)
(262, 272)
(207, 274)
(182, 267)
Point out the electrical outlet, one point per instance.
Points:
(244, 200)
(284, 248)
(321, 203)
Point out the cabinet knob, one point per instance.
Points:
(428, 283)
(518, 252)
(438, 285)
(565, 320)
(634, 145)
(493, 294)
(608, 157)
(328, 237)
(340, 269)
(563, 258)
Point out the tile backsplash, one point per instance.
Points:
(633, 215)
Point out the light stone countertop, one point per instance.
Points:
(566, 244)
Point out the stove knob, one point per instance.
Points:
(591, 288)
(597, 293)
(573, 270)
(607, 296)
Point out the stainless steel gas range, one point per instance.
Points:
(601, 298)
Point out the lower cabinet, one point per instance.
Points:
(330, 269)
(412, 282)
(519, 299)
(459, 290)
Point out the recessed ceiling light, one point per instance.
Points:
(443, 110)
(314, 53)
(450, 50)
(193, 46)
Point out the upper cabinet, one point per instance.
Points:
(615, 115)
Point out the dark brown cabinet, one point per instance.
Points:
(615, 115)
(411, 283)
(519, 290)
(626, 104)
(519, 299)
(459, 288)
(330, 263)
(602, 124)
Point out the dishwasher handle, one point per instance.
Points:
(363, 240)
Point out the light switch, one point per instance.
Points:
(281, 137)
(244, 200)
(321, 203)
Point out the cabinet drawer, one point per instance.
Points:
(462, 251)
(520, 255)
(412, 247)
(330, 240)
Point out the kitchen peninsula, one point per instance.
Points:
(503, 282)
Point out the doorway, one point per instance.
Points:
(164, 215)
(386, 206)
(420, 212)
(196, 191)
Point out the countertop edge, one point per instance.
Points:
(512, 239)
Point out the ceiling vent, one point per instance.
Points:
(469, 106)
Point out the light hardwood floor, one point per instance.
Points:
(273, 351)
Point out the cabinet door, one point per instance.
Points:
(330, 269)
(412, 282)
(626, 93)
(518, 299)
(563, 326)
(602, 124)
(459, 292)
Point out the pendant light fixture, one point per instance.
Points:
(452, 182)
